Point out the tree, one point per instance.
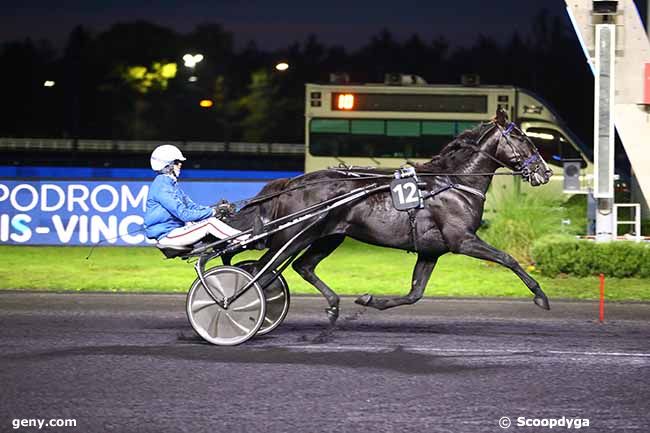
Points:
(77, 82)
(27, 106)
(261, 107)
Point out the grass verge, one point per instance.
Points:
(353, 269)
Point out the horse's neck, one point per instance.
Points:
(480, 163)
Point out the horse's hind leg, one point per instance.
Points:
(421, 273)
(306, 264)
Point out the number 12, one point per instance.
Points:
(411, 193)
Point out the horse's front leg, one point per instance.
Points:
(473, 246)
(421, 274)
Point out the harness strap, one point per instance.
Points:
(414, 229)
(457, 186)
(469, 189)
(348, 173)
(509, 129)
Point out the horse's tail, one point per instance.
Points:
(270, 188)
(266, 209)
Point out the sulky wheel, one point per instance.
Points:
(236, 323)
(277, 298)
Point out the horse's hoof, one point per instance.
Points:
(332, 314)
(542, 302)
(363, 300)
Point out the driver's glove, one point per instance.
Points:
(224, 209)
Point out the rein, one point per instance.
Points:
(357, 176)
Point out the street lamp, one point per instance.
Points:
(282, 66)
(48, 83)
(192, 59)
(206, 103)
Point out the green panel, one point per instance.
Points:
(462, 126)
(403, 128)
(438, 128)
(369, 127)
(329, 125)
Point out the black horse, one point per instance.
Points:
(447, 222)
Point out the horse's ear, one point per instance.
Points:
(502, 117)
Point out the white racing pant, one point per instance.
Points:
(193, 232)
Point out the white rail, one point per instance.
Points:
(140, 146)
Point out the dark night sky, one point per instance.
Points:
(277, 23)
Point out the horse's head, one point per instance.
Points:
(518, 152)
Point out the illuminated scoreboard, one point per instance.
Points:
(421, 103)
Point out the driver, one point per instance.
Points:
(171, 217)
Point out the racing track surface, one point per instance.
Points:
(131, 363)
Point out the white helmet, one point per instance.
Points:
(164, 155)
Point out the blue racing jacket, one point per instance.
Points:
(168, 207)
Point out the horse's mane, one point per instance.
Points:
(455, 153)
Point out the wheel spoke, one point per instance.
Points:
(217, 285)
(248, 307)
(200, 305)
(214, 323)
(236, 285)
(241, 327)
(276, 297)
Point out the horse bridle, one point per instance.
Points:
(522, 166)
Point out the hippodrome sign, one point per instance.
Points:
(84, 213)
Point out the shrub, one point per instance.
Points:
(645, 227)
(518, 219)
(562, 254)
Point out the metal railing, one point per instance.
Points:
(140, 146)
(636, 222)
